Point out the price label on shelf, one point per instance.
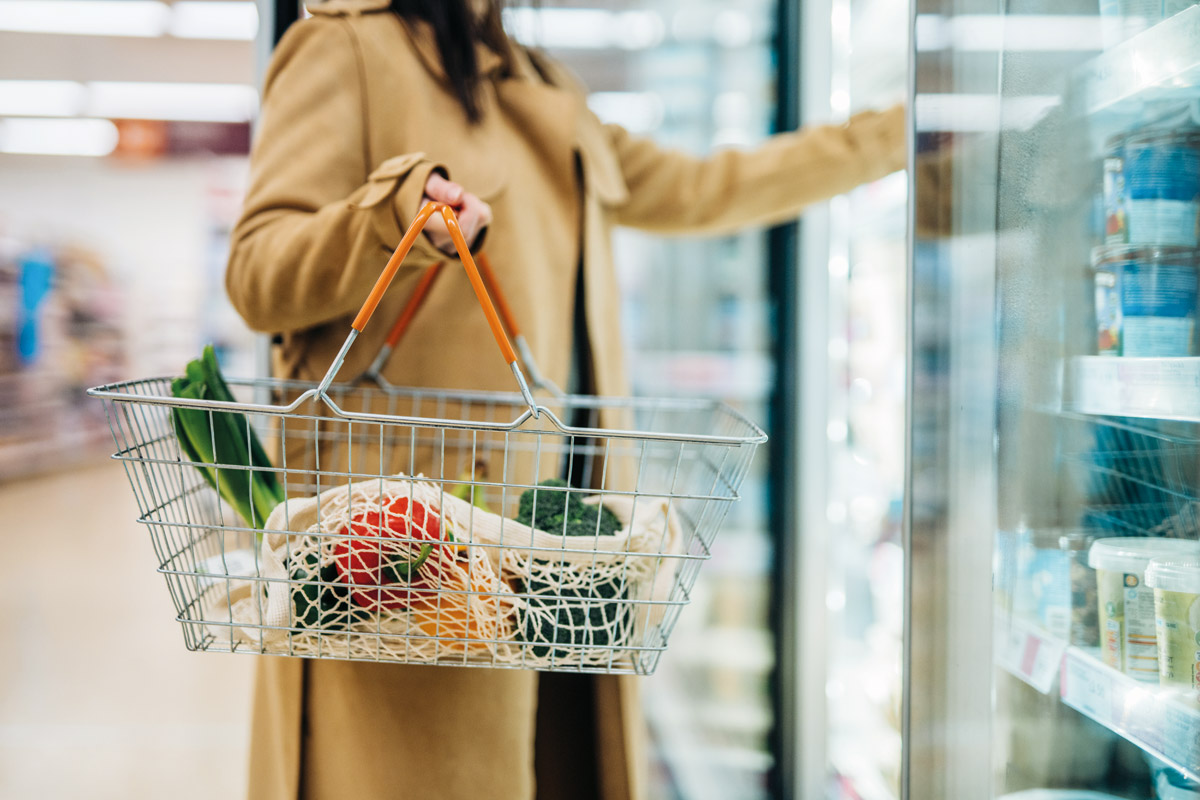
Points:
(1028, 653)
(1089, 690)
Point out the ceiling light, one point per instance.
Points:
(988, 33)
(638, 30)
(41, 98)
(639, 112)
(214, 19)
(203, 102)
(58, 137)
(584, 28)
(141, 18)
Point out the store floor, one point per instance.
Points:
(98, 697)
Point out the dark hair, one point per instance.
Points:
(457, 29)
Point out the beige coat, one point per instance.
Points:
(355, 117)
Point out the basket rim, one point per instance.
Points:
(310, 392)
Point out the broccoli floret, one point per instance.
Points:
(564, 513)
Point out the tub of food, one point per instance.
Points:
(1146, 300)
(1128, 641)
(1161, 176)
(1116, 216)
(1176, 584)
(1084, 627)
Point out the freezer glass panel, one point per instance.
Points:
(1054, 637)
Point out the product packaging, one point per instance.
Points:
(1126, 605)
(1161, 175)
(1146, 300)
(1085, 620)
(1176, 584)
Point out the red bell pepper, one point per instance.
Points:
(371, 560)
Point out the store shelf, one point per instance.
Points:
(1152, 719)
(1158, 388)
(1160, 63)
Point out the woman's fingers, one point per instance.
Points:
(473, 214)
(441, 190)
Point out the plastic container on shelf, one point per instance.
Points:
(1084, 630)
(1146, 300)
(1161, 177)
(1116, 214)
(1042, 590)
(1126, 605)
(1176, 584)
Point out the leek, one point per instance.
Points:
(223, 446)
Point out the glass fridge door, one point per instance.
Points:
(1052, 642)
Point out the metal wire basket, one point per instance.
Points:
(399, 540)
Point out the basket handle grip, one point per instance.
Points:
(481, 294)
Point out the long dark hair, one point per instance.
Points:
(457, 28)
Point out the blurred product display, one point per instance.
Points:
(61, 330)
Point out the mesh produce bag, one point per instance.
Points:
(398, 569)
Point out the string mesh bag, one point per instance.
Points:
(378, 569)
(584, 599)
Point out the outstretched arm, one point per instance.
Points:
(671, 192)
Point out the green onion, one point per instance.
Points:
(216, 439)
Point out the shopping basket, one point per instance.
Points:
(462, 528)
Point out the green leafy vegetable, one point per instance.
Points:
(563, 512)
(581, 617)
(224, 444)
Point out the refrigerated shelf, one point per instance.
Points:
(1162, 63)
(1155, 388)
(1157, 723)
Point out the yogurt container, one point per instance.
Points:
(1084, 627)
(1116, 215)
(1128, 641)
(1176, 584)
(1161, 176)
(1146, 300)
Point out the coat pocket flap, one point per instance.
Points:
(381, 183)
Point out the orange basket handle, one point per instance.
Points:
(403, 321)
(536, 378)
(481, 294)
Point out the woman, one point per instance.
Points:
(371, 108)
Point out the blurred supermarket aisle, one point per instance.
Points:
(98, 697)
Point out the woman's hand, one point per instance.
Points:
(473, 214)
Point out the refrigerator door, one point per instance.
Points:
(1054, 417)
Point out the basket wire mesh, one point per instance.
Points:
(399, 540)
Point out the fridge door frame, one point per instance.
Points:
(950, 476)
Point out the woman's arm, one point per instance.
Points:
(317, 229)
(671, 192)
